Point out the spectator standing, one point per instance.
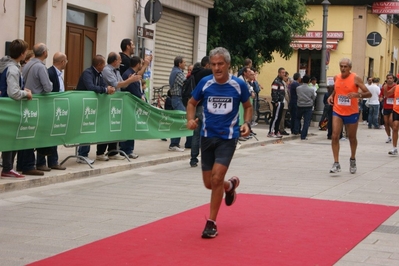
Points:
(306, 98)
(176, 80)
(189, 70)
(17, 92)
(127, 47)
(278, 98)
(92, 80)
(37, 80)
(55, 75)
(313, 84)
(135, 89)
(198, 73)
(113, 78)
(365, 108)
(220, 130)
(293, 107)
(374, 105)
(287, 83)
(247, 63)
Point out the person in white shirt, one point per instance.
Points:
(374, 105)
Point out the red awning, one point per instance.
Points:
(313, 44)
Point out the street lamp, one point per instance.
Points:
(322, 85)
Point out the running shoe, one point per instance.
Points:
(352, 167)
(389, 140)
(210, 230)
(231, 194)
(335, 168)
(393, 152)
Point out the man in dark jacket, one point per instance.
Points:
(278, 98)
(293, 101)
(55, 74)
(92, 80)
(198, 73)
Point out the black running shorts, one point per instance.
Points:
(216, 150)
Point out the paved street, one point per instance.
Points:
(45, 216)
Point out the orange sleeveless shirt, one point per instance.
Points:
(342, 87)
(396, 100)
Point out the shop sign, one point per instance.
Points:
(319, 34)
(385, 8)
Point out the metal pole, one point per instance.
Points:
(322, 84)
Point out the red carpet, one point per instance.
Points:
(256, 230)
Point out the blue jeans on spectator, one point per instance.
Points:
(177, 104)
(293, 111)
(306, 113)
(84, 151)
(26, 160)
(195, 144)
(52, 159)
(127, 146)
(373, 115)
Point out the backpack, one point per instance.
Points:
(3, 83)
(188, 87)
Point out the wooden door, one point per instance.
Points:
(80, 49)
(29, 34)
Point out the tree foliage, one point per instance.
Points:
(256, 28)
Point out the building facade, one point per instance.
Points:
(84, 28)
(370, 40)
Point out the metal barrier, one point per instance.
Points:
(76, 155)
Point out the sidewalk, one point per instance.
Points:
(151, 152)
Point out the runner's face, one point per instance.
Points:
(389, 80)
(220, 68)
(345, 68)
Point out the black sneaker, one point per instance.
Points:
(210, 230)
(231, 195)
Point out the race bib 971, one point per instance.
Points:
(220, 105)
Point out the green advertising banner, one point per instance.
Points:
(77, 117)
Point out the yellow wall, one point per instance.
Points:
(378, 53)
(356, 23)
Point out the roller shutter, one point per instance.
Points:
(174, 36)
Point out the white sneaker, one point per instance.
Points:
(133, 156)
(79, 160)
(335, 168)
(116, 157)
(393, 152)
(175, 148)
(102, 157)
(389, 140)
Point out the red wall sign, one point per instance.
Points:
(385, 8)
(319, 34)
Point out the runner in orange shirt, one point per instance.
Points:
(345, 111)
(395, 118)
